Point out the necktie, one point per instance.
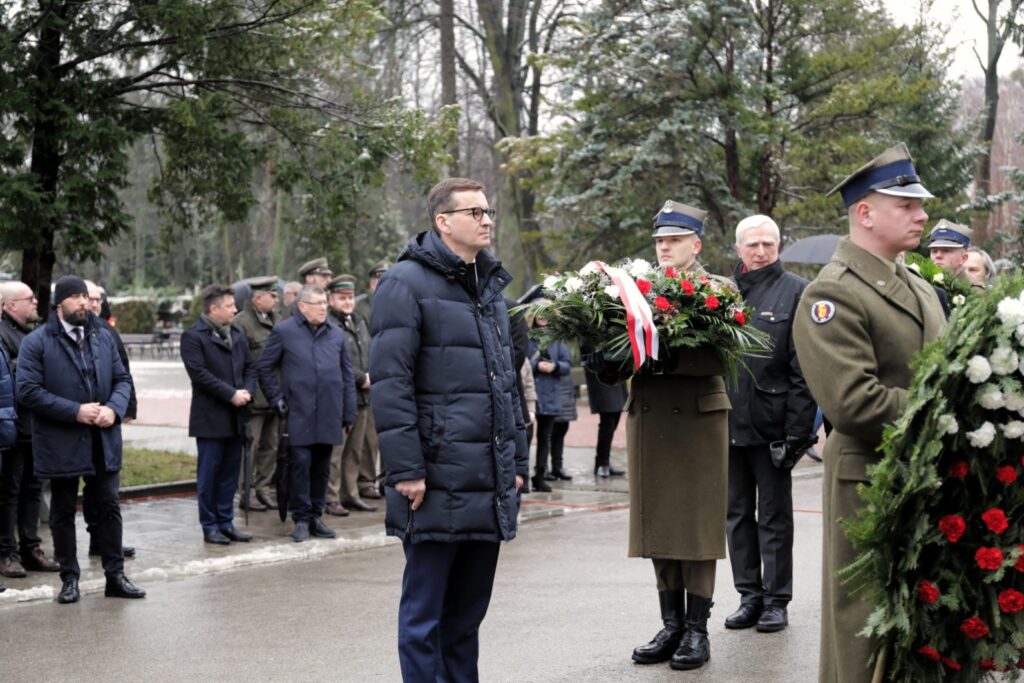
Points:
(78, 336)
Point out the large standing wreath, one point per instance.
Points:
(941, 537)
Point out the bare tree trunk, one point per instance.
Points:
(449, 94)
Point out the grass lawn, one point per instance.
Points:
(147, 466)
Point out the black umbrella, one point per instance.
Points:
(246, 469)
(282, 476)
(817, 249)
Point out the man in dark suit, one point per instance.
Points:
(72, 380)
(316, 395)
(223, 376)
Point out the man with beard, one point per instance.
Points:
(677, 433)
(72, 380)
(21, 492)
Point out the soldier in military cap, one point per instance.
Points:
(316, 272)
(948, 244)
(857, 326)
(255, 321)
(685, 403)
(365, 300)
(343, 486)
(369, 457)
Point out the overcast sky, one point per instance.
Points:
(967, 31)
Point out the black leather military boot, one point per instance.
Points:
(666, 641)
(694, 648)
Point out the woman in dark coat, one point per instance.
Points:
(552, 372)
(608, 402)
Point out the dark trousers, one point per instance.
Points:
(760, 527)
(217, 469)
(101, 493)
(550, 439)
(605, 431)
(21, 496)
(446, 589)
(310, 470)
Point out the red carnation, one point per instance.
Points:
(930, 652)
(988, 665)
(989, 558)
(643, 285)
(687, 286)
(927, 592)
(995, 520)
(1007, 474)
(703, 279)
(662, 303)
(671, 272)
(1011, 600)
(712, 302)
(974, 628)
(953, 526)
(740, 317)
(951, 664)
(1020, 561)
(958, 469)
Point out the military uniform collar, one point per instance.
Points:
(880, 274)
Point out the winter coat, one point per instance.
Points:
(11, 335)
(8, 415)
(133, 402)
(444, 395)
(358, 331)
(256, 328)
(316, 379)
(53, 382)
(217, 372)
(770, 399)
(551, 392)
(604, 398)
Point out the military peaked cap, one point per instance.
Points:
(678, 219)
(891, 172)
(949, 234)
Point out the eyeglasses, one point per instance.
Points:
(314, 303)
(476, 212)
(24, 298)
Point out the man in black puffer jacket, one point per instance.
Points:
(451, 430)
(772, 409)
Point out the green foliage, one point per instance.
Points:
(963, 420)
(195, 309)
(134, 317)
(738, 107)
(958, 289)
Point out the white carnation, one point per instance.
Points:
(591, 267)
(1020, 333)
(939, 277)
(1013, 429)
(640, 267)
(1011, 311)
(990, 397)
(573, 284)
(978, 369)
(613, 292)
(551, 282)
(1014, 401)
(1003, 360)
(947, 424)
(959, 300)
(982, 436)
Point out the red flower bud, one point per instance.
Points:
(740, 317)
(930, 652)
(988, 665)
(1011, 600)
(687, 286)
(662, 303)
(953, 527)
(643, 285)
(711, 302)
(1020, 561)
(703, 280)
(989, 558)
(950, 663)
(995, 520)
(927, 592)
(974, 628)
(958, 469)
(671, 272)
(1007, 474)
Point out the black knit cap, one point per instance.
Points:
(67, 286)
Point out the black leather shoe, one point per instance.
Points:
(266, 499)
(360, 506)
(234, 534)
(320, 530)
(216, 536)
(69, 591)
(120, 587)
(666, 640)
(560, 473)
(301, 532)
(2, 588)
(616, 472)
(35, 560)
(773, 619)
(128, 551)
(603, 471)
(550, 476)
(745, 617)
(540, 486)
(694, 648)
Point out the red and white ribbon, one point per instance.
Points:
(643, 335)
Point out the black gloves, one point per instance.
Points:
(608, 371)
(786, 454)
(281, 408)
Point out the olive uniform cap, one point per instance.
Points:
(678, 219)
(342, 282)
(891, 172)
(949, 234)
(316, 266)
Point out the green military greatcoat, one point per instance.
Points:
(856, 328)
(677, 433)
